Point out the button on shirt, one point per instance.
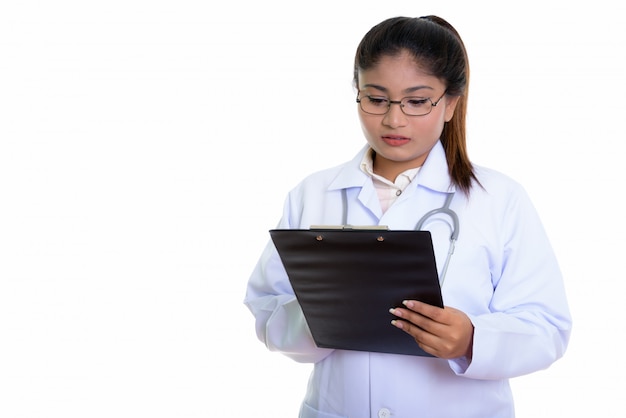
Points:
(387, 191)
(384, 413)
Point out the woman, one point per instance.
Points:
(505, 313)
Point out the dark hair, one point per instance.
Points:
(439, 50)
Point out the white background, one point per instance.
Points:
(146, 148)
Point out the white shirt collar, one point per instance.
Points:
(403, 179)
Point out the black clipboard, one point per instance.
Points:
(346, 279)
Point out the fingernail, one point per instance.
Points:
(396, 312)
(397, 324)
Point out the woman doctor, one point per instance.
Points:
(506, 312)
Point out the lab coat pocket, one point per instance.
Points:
(308, 412)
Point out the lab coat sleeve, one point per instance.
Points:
(528, 325)
(279, 321)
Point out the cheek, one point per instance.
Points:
(429, 128)
(367, 125)
(441, 119)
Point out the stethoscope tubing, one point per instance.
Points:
(445, 209)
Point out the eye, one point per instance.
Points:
(416, 102)
(377, 101)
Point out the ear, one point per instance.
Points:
(451, 102)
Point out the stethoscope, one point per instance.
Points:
(445, 210)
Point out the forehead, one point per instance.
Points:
(398, 74)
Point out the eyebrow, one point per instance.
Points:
(406, 91)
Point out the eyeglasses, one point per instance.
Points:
(410, 106)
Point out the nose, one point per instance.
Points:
(395, 117)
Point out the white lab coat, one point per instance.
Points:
(503, 275)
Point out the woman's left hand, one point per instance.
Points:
(446, 333)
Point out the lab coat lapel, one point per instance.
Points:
(351, 177)
(434, 172)
(433, 175)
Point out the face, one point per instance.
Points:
(400, 141)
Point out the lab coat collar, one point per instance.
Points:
(433, 174)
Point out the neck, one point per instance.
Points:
(392, 169)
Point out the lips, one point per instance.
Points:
(395, 140)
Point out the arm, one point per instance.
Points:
(279, 321)
(528, 323)
(512, 316)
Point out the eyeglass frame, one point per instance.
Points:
(399, 102)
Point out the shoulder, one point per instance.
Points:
(494, 182)
(325, 175)
(499, 197)
(317, 181)
(347, 174)
(497, 192)
(316, 199)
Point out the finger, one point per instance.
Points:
(412, 323)
(418, 320)
(433, 312)
(420, 336)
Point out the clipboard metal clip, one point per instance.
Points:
(350, 227)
